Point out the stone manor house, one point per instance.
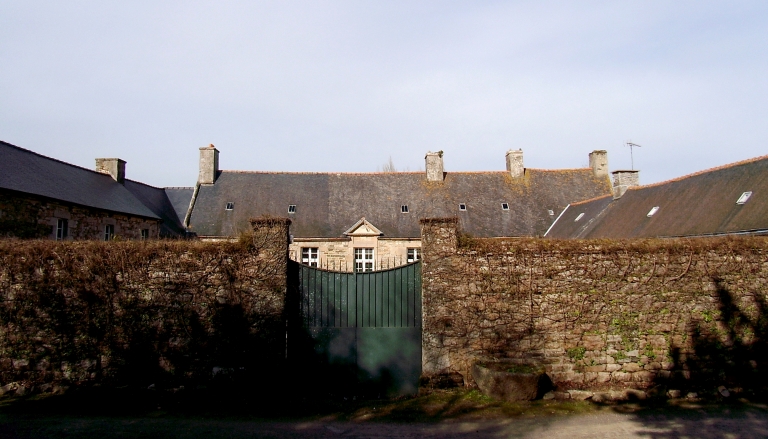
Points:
(370, 221)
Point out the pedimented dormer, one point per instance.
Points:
(362, 228)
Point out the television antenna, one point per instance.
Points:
(631, 156)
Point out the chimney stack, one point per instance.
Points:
(623, 180)
(209, 165)
(113, 167)
(434, 165)
(598, 161)
(515, 163)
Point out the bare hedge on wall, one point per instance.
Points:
(140, 312)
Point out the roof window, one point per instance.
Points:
(291, 208)
(744, 197)
(581, 215)
(404, 208)
(230, 206)
(504, 206)
(551, 212)
(652, 211)
(462, 207)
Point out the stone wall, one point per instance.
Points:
(138, 313)
(34, 217)
(643, 314)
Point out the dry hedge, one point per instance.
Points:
(138, 312)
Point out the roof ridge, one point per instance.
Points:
(579, 203)
(320, 173)
(705, 171)
(394, 173)
(53, 159)
(178, 187)
(144, 184)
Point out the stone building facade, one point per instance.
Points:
(370, 221)
(45, 198)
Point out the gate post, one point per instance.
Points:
(439, 242)
(270, 239)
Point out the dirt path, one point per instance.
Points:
(720, 422)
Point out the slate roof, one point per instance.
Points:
(30, 173)
(179, 197)
(158, 201)
(327, 204)
(703, 203)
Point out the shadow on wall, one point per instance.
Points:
(729, 350)
(134, 314)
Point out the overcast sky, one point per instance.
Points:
(345, 85)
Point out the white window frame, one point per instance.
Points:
(310, 256)
(414, 254)
(109, 232)
(364, 259)
(62, 229)
(144, 234)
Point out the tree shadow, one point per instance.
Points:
(719, 379)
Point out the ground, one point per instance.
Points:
(437, 414)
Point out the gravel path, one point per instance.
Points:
(719, 423)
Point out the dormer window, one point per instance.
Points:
(291, 208)
(504, 206)
(404, 208)
(462, 207)
(744, 197)
(230, 206)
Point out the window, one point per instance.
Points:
(504, 206)
(309, 256)
(581, 215)
(652, 211)
(462, 207)
(109, 232)
(404, 208)
(291, 208)
(62, 229)
(551, 212)
(363, 259)
(230, 206)
(744, 197)
(414, 254)
(144, 233)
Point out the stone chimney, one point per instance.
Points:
(113, 167)
(434, 165)
(598, 161)
(515, 163)
(209, 165)
(623, 180)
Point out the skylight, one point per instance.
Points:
(551, 212)
(652, 211)
(462, 207)
(404, 208)
(744, 197)
(581, 215)
(230, 206)
(291, 208)
(504, 206)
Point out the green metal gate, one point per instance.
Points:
(358, 333)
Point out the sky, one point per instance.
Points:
(327, 86)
